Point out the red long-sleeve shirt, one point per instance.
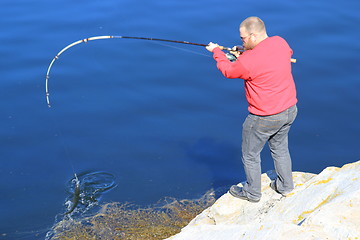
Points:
(266, 69)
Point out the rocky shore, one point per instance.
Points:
(323, 206)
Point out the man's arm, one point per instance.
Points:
(229, 69)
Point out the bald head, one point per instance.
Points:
(252, 32)
(253, 25)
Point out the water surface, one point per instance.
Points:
(163, 120)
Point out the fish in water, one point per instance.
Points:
(76, 196)
(86, 189)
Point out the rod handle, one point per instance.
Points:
(225, 48)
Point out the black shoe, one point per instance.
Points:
(273, 187)
(238, 192)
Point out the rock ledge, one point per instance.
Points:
(323, 206)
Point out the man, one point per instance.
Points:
(271, 95)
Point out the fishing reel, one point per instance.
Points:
(231, 57)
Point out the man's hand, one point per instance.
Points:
(211, 46)
(237, 51)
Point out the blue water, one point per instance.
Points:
(162, 119)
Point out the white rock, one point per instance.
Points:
(323, 206)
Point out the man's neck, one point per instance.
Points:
(262, 37)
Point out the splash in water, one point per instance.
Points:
(86, 189)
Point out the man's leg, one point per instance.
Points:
(278, 144)
(253, 142)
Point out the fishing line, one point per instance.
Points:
(182, 49)
(58, 133)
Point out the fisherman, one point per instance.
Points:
(270, 91)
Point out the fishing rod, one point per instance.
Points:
(85, 40)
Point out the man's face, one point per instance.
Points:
(247, 39)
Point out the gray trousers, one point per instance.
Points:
(274, 129)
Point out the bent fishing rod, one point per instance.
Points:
(85, 40)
